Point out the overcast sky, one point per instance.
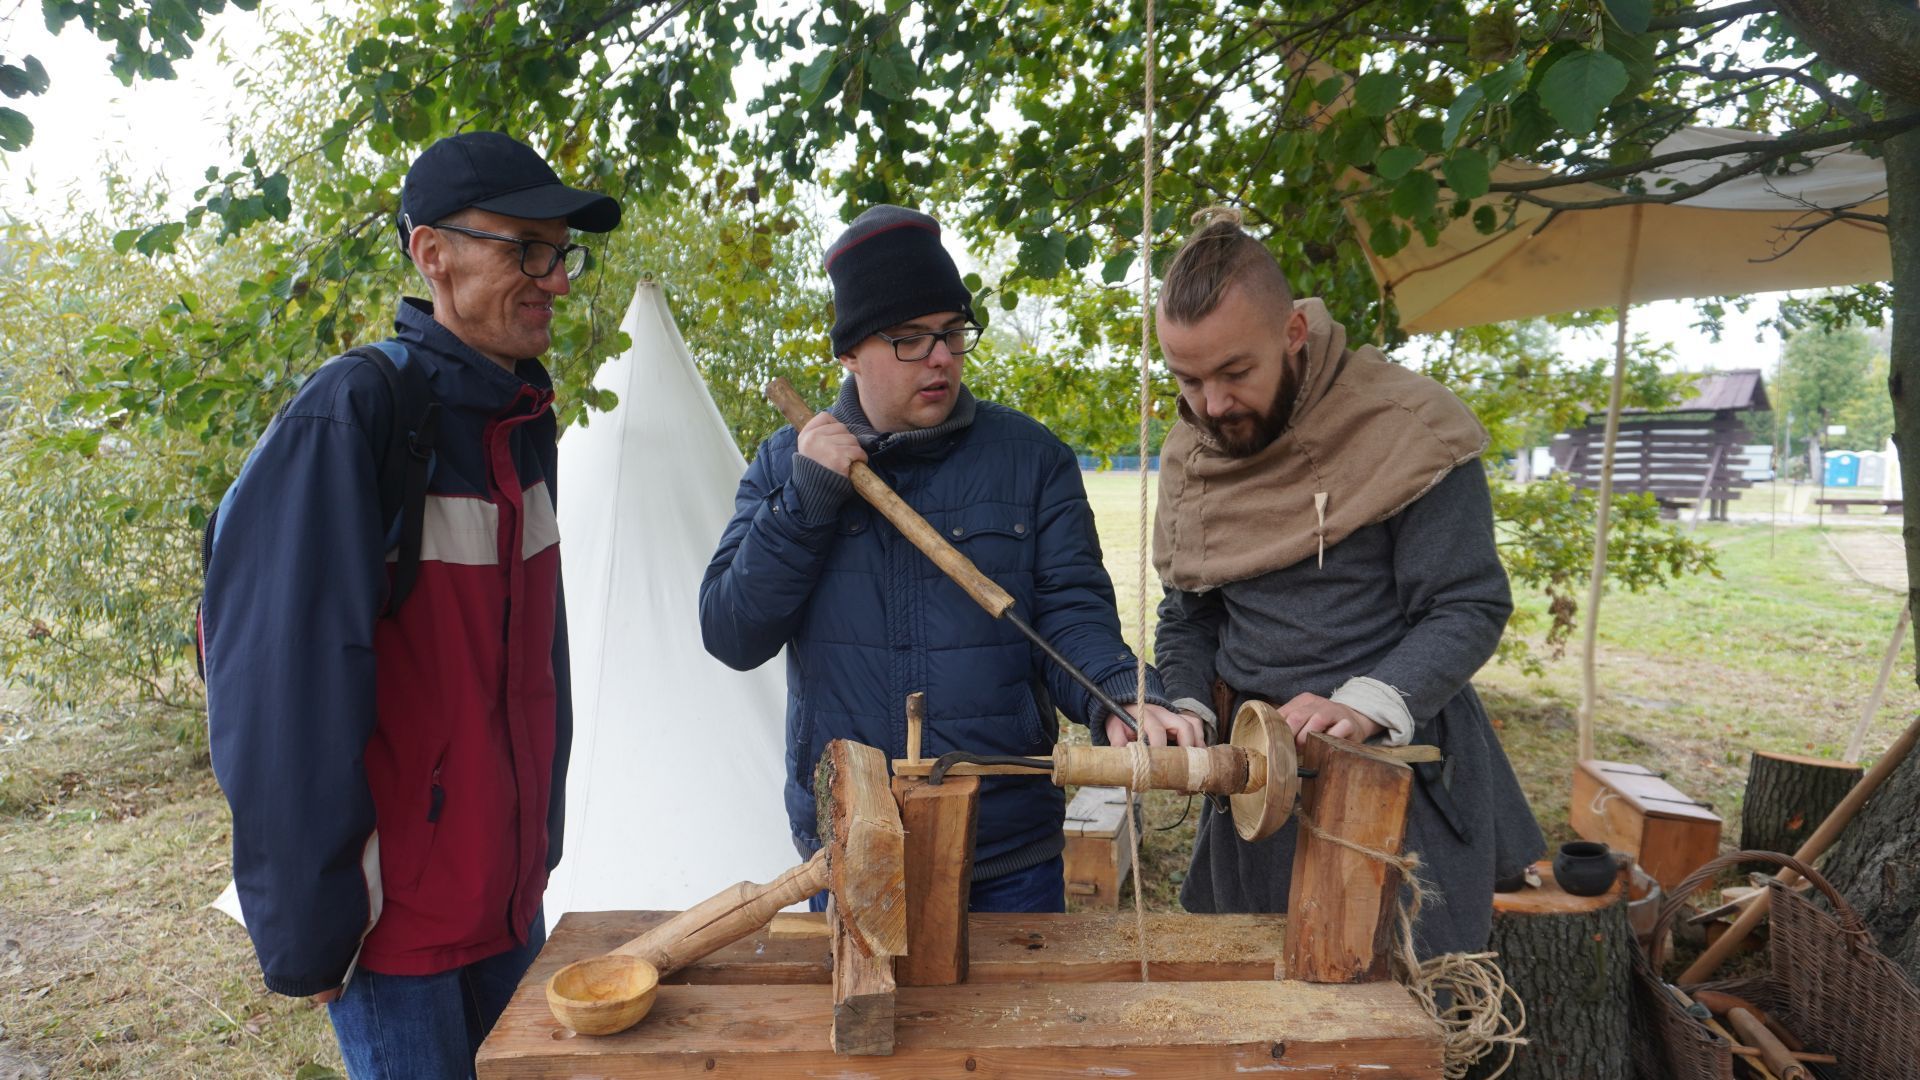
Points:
(176, 128)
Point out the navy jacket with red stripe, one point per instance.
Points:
(395, 779)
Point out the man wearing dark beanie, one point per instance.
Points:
(866, 619)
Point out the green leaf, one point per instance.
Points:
(1043, 255)
(1329, 89)
(1467, 173)
(1115, 269)
(159, 239)
(972, 282)
(1430, 135)
(1506, 78)
(1415, 195)
(1462, 108)
(1579, 87)
(1009, 300)
(813, 78)
(1377, 93)
(1631, 15)
(1528, 125)
(1396, 161)
(1354, 142)
(1079, 250)
(891, 73)
(1636, 52)
(16, 131)
(123, 240)
(1485, 220)
(1387, 237)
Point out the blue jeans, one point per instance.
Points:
(1041, 888)
(427, 1027)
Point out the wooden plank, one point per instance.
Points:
(1097, 811)
(1342, 902)
(940, 821)
(1006, 1030)
(1004, 947)
(1103, 947)
(863, 993)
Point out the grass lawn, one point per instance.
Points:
(113, 837)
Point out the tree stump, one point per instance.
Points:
(1788, 796)
(1569, 958)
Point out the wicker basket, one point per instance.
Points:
(1827, 983)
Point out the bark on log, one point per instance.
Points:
(1876, 866)
(1570, 960)
(1788, 796)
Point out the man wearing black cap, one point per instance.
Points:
(386, 660)
(867, 620)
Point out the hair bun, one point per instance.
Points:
(1218, 212)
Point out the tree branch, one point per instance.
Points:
(1688, 20)
(1763, 150)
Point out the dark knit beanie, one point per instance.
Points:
(888, 268)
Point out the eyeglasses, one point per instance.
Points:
(537, 257)
(913, 347)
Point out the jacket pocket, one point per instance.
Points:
(419, 853)
(998, 539)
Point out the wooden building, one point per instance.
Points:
(1690, 452)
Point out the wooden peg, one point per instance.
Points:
(916, 723)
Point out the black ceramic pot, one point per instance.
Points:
(1584, 868)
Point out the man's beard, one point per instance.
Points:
(1244, 434)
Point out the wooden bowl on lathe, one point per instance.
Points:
(604, 995)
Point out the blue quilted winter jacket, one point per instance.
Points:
(867, 619)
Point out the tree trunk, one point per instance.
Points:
(1570, 960)
(1902, 155)
(1876, 866)
(1788, 797)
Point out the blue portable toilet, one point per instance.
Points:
(1842, 469)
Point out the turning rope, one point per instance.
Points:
(1146, 408)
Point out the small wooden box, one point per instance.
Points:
(1099, 852)
(1630, 808)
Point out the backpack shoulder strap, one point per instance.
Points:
(405, 465)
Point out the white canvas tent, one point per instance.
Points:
(674, 788)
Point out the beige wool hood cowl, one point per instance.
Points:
(1366, 437)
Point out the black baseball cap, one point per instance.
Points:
(496, 172)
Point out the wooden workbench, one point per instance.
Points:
(1046, 996)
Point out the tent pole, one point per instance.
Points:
(1589, 690)
(1855, 744)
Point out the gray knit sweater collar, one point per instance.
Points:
(847, 410)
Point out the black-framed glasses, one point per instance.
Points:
(914, 347)
(537, 257)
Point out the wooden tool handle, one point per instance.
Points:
(1215, 770)
(1776, 1056)
(988, 595)
(726, 917)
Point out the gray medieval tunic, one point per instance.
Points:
(1418, 602)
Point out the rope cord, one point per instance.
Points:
(1483, 1013)
(1146, 408)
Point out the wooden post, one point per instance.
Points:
(916, 724)
(940, 824)
(1340, 908)
(863, 991)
